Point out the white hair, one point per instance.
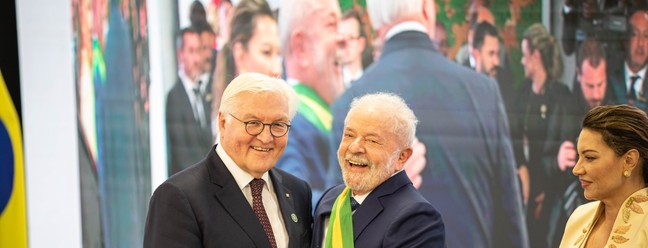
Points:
(400, 117)
(385, 12)
(291, 14)
(257, 83)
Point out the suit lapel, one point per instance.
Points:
(371, 206)
(286, 205)
(231, 198)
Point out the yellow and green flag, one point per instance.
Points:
(340, 228)
(13, 216)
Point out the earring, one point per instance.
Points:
(626, 173)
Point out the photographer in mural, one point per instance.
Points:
(604, 20)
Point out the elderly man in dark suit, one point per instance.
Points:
(234, 197)
(377, 206)
(470, 176)
(629, 81)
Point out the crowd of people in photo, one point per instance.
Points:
(492, 153)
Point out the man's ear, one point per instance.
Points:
(429, 13)
(299, 48)
(403, 156)
(221, 123)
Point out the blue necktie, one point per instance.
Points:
(354, 204)
(633, 94)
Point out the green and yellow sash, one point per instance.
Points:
(340, 228)
(313, 108)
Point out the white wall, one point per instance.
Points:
(49, 126)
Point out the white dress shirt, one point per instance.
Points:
(189, 85)
(270, 202)
(639, 84)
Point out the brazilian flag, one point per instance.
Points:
(13, 217)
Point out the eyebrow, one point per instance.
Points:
(588, 150)
(256, 118)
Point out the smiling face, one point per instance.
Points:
(190, 55)
(254, 154)
(322, 44)
(262, 53)
(369, 152)
(599, 169)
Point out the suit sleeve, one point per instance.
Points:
(418, 225)
(170, 221)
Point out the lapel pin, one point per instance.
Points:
(287, 195)
(293, 216)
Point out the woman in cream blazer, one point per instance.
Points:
(612, 169)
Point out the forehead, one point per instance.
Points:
(325, 9)
(639, 19)
(349, 24)
(590, 139)
(491, 41)
(266, 25)
(368, 121)
(190, 38)
(261, 102)
(591, 72)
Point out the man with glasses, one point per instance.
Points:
(352, 46)
(234, 197)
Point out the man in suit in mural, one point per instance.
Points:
(486, 53)
(187, 111)
(470, 178)
(234, 197)
(629, 82)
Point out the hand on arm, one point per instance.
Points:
(416, 163)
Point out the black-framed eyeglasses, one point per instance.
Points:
(255, 127)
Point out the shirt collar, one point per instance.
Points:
(241, 177)
(361, 198)
(189, 85)
(641, 73)
(405, 26)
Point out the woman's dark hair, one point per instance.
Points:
(242, 25)
(623, 127)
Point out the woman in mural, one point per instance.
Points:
(538, 103)
(253, 46)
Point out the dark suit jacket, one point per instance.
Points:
(186, 139)
(203, 206)
(470, 176)
(394, 214)
(616, 81)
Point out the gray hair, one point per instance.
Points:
(385, 12)
(397, 113)
(291, 14)
(257, 83)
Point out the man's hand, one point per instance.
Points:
(566, 155)
(416, 163)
